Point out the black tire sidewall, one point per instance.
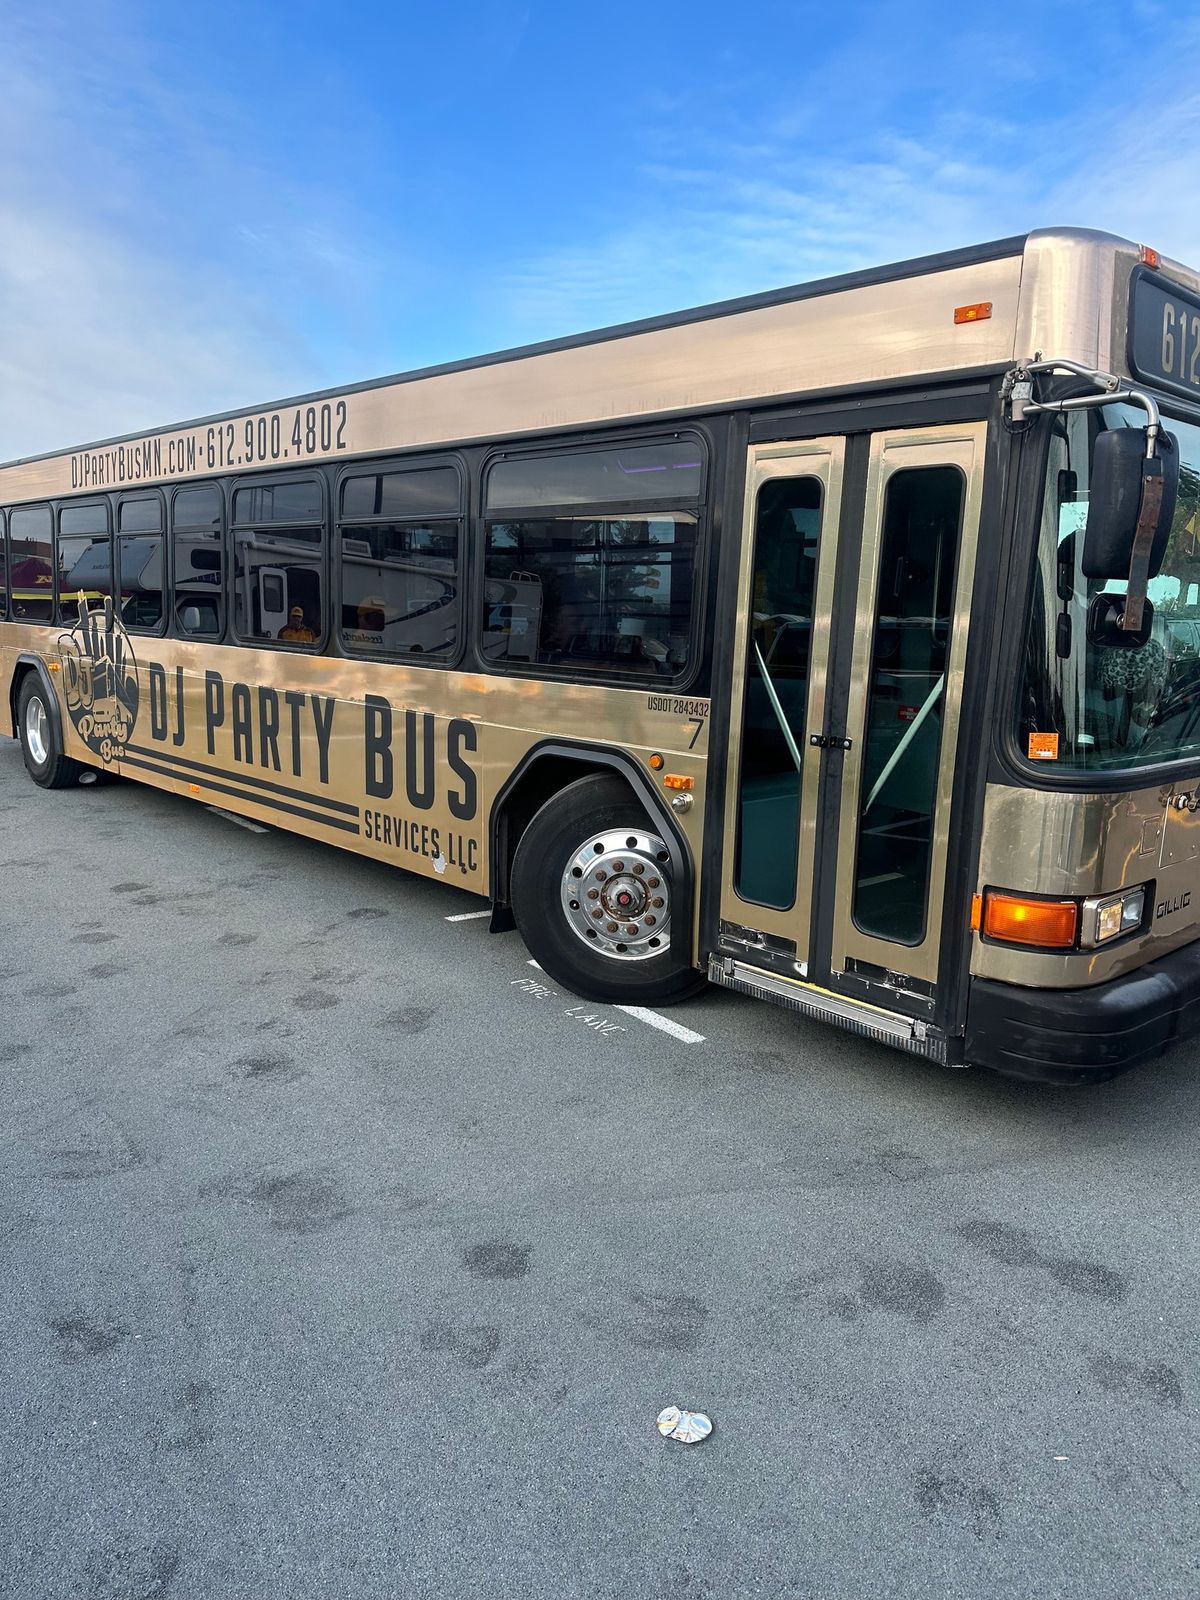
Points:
(594, 804)
(58, 769)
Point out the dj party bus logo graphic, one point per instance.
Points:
(100, 681)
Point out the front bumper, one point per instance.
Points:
(1074, 1036)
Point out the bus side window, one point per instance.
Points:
(399, 549)
(3, 565)
(590, 559)
(139, 570)
(84, 558)
(31, 570)
(278, 554)
(198, 562)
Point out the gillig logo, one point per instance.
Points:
(99, 680)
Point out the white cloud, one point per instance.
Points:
(129, 298)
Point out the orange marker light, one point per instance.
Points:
(193, 788)
(976, 911)
(1150, 256)
(1016, 920)
(657, 763)
(976, 313)
(676, 780)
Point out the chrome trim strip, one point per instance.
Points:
(872, 1022)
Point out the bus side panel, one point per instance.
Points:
(401, 764)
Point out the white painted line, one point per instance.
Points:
(468, 916)
(663, 1024)
(242, 822)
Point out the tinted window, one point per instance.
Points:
(140, 515)
(277, 563)
(424, 492)
(921, 519)
(84, 558)
(671, 471)
(140, 580)
(83, 519)
(3, 569)
(591, 593)
(278, 502)
(31, 568)
(199, 562)
(198, 508)
(400, 589)
(787, 533)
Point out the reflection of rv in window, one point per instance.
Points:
(404, 604)
(140, 581)
(87, 574)
(278, 575)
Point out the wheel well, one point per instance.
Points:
(547, 771)
(519, 804)
(20, 673)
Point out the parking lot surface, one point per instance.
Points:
(344, 1255)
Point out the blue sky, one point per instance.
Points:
(207, 206)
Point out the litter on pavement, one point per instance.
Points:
(689, 1427)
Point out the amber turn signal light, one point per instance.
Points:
(1015, 919)
(676, 780)
(976, 313)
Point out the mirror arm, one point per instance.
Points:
(1018, 391)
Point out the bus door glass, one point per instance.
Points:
(842, 758)
(904, 674)
(785, 596)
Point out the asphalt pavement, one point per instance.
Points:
(344, 1255)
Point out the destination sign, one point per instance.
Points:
(1164, 334)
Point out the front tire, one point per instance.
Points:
(40, 744)
(592, 895)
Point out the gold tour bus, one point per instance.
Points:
(839, 644)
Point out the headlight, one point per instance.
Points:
(1116, 914)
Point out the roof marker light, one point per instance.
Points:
(1150, 256)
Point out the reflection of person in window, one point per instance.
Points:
(297, 630)
(369, 615)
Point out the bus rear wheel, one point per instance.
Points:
(40, 744)
(592, 895)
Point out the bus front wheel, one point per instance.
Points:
(592, 894)
(40, 744)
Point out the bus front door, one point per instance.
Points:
(853, 609)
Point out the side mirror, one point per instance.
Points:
(1131, 493)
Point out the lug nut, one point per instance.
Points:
(593, 894)
(658, 901)
(612, 928)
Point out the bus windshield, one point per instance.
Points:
(1084, 704)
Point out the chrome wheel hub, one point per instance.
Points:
(36, 740)
(616, 894)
